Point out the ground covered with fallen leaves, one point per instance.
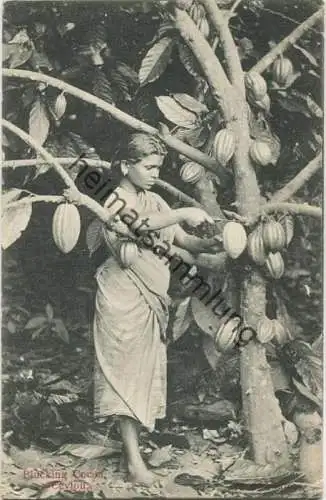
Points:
(188, 462)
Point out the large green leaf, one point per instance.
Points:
(19, 56)
(155, 61)
(60, 329)
(94, 236)
(38, 121)
(308, 55)
(188, 60)
(89, 450)
(61, 399)
(176, 113)
(36, 322)
(13, 222)
(182, 319)
(18, 50)
(102, 87)
(190, 103)
(213, 356)
(10, 196)
(127, 72)
(196, 137)
(298, 102)
(120, 82)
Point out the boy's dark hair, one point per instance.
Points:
(140, 145)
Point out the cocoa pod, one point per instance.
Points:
(256, 85)
(224, 146)
(255, 246)
(287, 223)
(264, 103)
(280, 333)
(66, 227)
(282, 71)
(60, 106)
(275, 265)
(191, 172)
(265, 330)
(227, 336)
(204, 27)
(195, 13)
(128, 253)
(261, 152)
(273, 236)
(234, 239)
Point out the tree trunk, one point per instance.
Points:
(261, 409)
(262, 413)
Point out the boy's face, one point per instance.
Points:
(144, 172)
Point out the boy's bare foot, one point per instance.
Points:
(139, 474)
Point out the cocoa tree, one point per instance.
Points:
(224, 119)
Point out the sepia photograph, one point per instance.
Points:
(162, 249)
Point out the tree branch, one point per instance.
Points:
(176, 193)
(47, 157)
(63, 161)
(79, 198)
(128, 120)
(211, 66)
(293, 208)
(234, 7)
(281, 47)
(288, 18)
(220, 23)
(36, 199)
(166, 186)
(298, 181)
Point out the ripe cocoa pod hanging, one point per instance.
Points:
(275, 265)
(287, 223)
(227, 336)
(265, 330)
(224, 146)
(195, 12)
(264, 103)
(273, 236)
(280, 334)
(191, 172)
(204, 27)
(256, 85)
(60, 106)
(234, 239)
(282, 71)
(128, 253)
(255, 246)
(66, 227)
(261, 152)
